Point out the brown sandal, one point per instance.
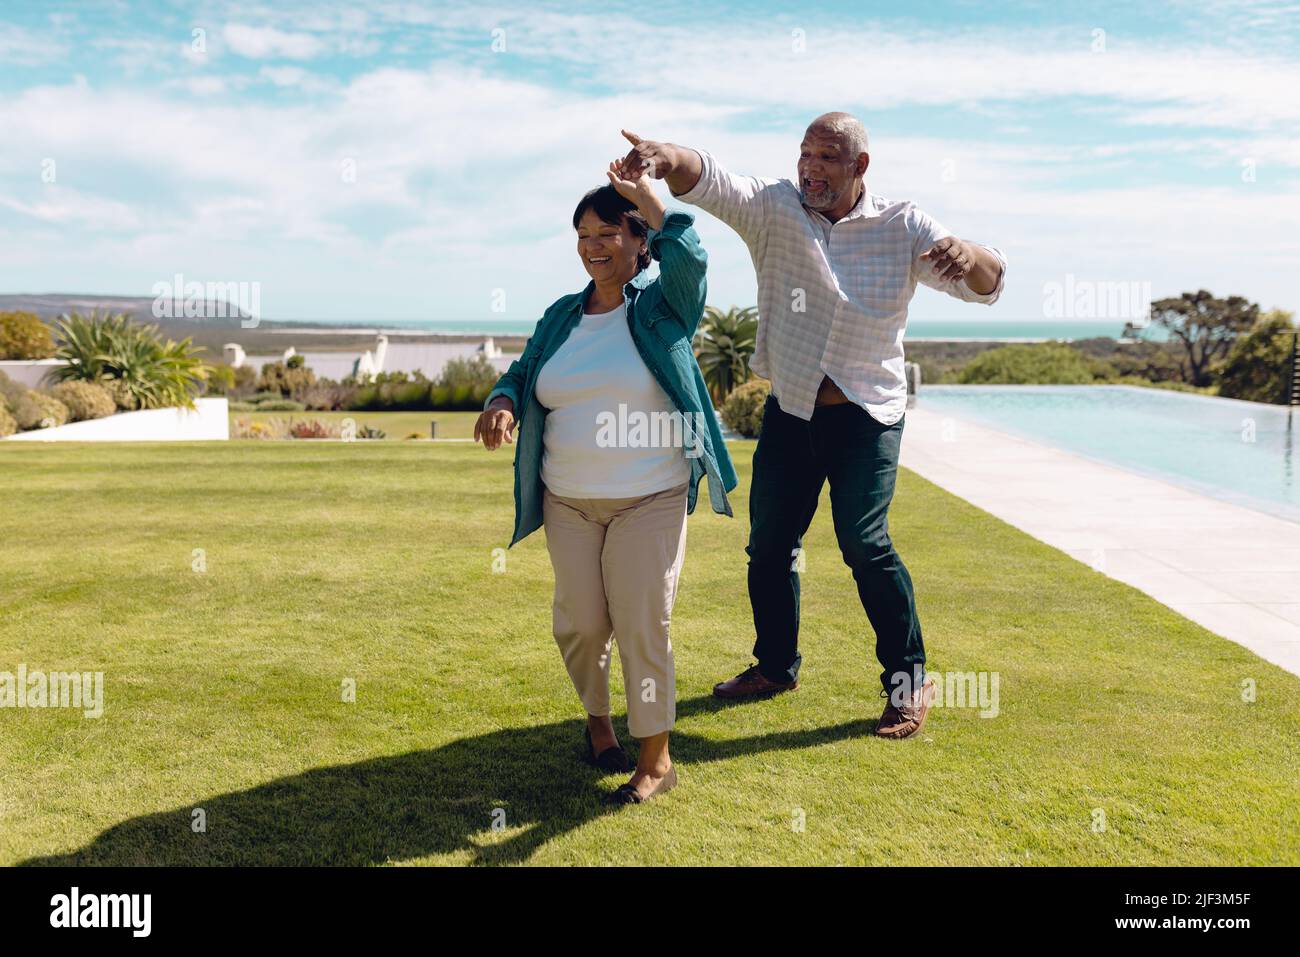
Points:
(627, 793)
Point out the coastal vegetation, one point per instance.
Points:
(1194, 342)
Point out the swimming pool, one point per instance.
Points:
(1236, 451)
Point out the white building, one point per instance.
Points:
(426, 357)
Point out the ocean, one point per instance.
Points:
(917, 329)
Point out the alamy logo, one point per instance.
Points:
(951, 689)
(1094, 299)
(134, 911)
(54, 689)
(178, 299)
(651, 430)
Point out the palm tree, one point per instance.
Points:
(723, 346)
(134, 359)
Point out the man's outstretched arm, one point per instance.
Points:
(696, 178)
(678, 166)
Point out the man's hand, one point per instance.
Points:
(678, 166)
(956, 260)
(496, 424)
(647, 156)
(949, 258)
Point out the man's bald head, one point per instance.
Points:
(844, 125)
(832, 161)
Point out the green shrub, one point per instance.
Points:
(1167, 386)
(327, 395)
(122, 395)
(472, 372)
(150, 372)
(24, 336)
(241, 407)
(245, 380)
(221, 379)
(743, 410)
(1258, 367)
(52, 411)
(24, 406)
(10, 392)
(85, 400)
(440, 397)
(8, 424)
(364, 399)
(409, 395)
(391, 396)
(1025, 364)
(281, 405)
(463, 385)
(285, 379)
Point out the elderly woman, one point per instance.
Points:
(616, 431)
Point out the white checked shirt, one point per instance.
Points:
(832, 297)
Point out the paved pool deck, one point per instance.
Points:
(1231, 569)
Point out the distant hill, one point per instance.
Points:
(267, 337)
(50, 306)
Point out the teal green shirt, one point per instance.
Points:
(662, 315)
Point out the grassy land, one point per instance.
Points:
(396, 425)
(373, 562)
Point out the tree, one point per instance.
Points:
(723, 347)
(1205, 328)
(24, 336)
(1258, 367)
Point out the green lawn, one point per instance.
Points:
(373, 562)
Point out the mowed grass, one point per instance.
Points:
(395, 425)
(374, 562)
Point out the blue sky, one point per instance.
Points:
(1164, 149)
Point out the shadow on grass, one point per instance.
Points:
(426, 802)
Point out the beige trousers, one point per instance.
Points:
(617, 561)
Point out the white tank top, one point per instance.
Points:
(611, 431)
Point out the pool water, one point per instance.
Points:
(1241, 452)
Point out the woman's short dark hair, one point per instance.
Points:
(613, 208)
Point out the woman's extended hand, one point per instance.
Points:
(640, 190)
(496, 424)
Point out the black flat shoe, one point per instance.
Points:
(627, 793)
(611, 759)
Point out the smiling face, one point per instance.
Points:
(608, 251)
(827, 168)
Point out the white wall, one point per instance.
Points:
(210, 420)
(28, 372)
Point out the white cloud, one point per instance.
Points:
(283, 75)
(24, 48)
(205, 85)
(60, 206)
(259, 43)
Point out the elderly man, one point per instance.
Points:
(837, 266)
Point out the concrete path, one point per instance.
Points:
(1231, 569)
